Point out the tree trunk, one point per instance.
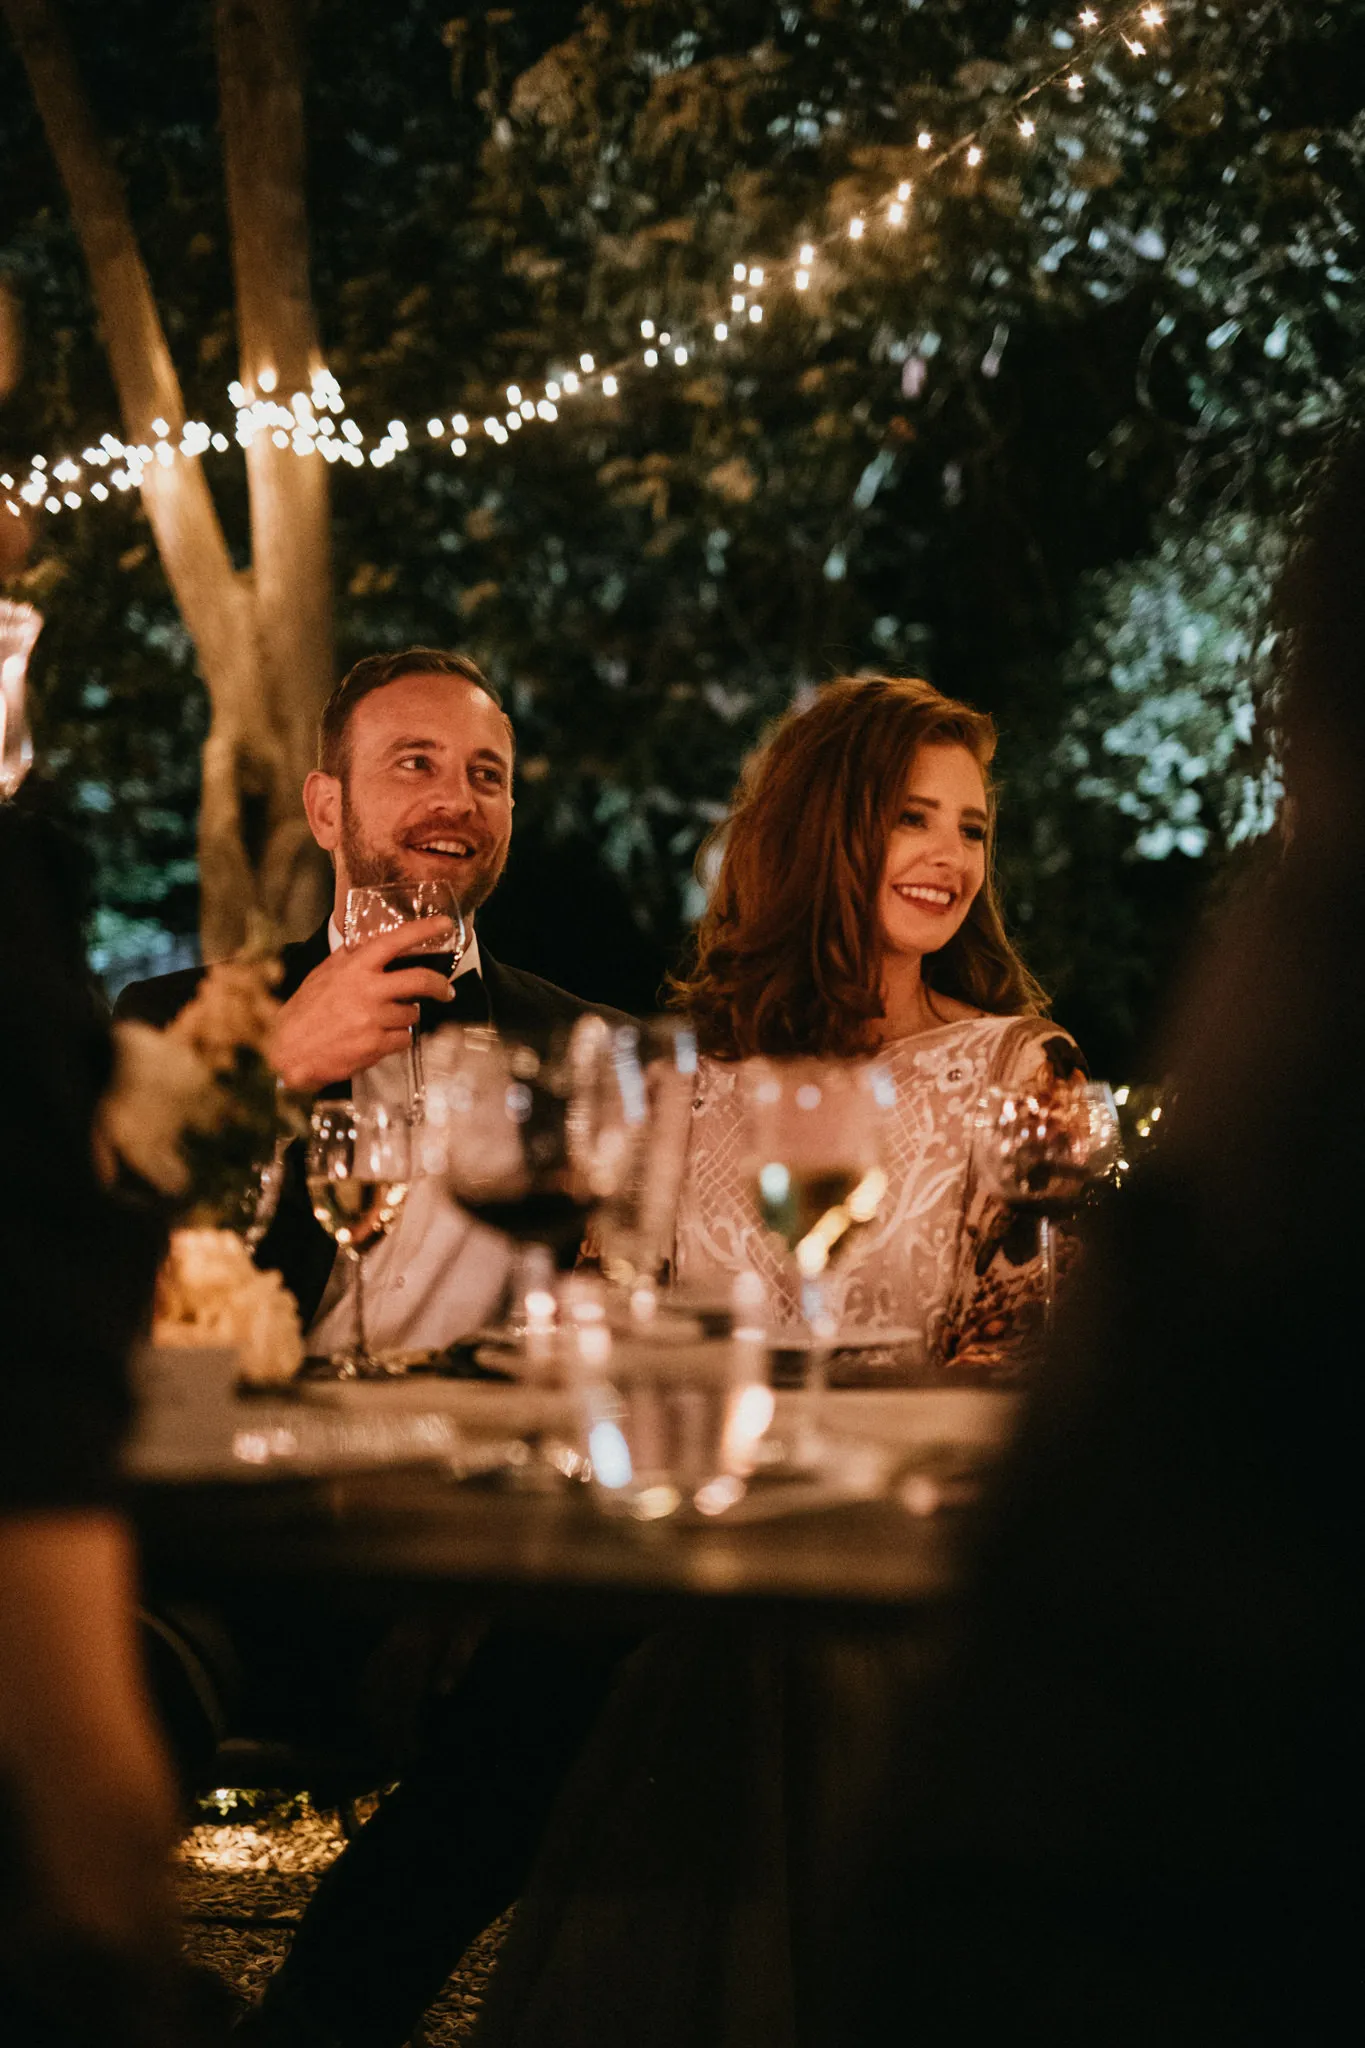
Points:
(251, 831)
(261, 98)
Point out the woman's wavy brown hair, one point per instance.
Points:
(788, 954)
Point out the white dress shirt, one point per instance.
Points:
(438, 1274)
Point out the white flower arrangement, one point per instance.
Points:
(195, 1113)
(208, 1292)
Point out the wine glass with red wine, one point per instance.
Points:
(1040, 1150)
(382, 907)
(533, 1132)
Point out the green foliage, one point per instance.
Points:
(1031, 443)
(1171, 674)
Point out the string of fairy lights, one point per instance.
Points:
(316, 422)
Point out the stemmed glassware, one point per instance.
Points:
(358, 1168)
(634, 1225)
(532, 1134)
(372, 908)
(1038, 1150)
(812, 1152)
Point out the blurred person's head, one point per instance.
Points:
(864, 828)
(414, 775)
(1274, 997)
(1322, 618)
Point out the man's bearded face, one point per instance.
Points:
(427, 790)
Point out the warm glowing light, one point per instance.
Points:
(571, 381)
(1075, 82)
(651, 357)
(802, 282)
(925, 139)
(721, 331)
(680, 356)
(266, 379)
(647, 329)
(459, 424)
(974, 156)
(610, 386)
(895, 213)
(755, 276)
(755, 314)
(807, 254)
(855, 229)
(1089, 18)
(741, 272)
(585, 364)
(1027, 128)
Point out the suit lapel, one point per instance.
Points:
(296, 1245)
(299, 960)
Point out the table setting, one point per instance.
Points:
(612, 1398)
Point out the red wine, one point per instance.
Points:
(546, 1218)
(439, 963)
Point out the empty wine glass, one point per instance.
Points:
(375, 907)
(358, 1167)
(812, 1151)
(1038, 1150)
(634, 1228)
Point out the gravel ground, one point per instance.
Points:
(247, 1872)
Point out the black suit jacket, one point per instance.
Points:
(296, 1246)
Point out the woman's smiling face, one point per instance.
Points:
(936, 855)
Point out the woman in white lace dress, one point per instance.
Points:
(855, 911)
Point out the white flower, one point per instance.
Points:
(160, 1085)
(209, 1293)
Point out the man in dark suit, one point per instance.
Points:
(414, 783)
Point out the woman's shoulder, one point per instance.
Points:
(1014, 1047)
(1037, 1046)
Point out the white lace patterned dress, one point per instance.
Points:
(941, 1271)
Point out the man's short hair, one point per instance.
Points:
(372, 672)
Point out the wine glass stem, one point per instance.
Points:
(815, 1308)
(362, 1348)
(416, 1072)
(1048, 1265)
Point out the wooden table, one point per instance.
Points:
(374, 1538)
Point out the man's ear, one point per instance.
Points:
(322, 803)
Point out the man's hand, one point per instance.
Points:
(349, 1013)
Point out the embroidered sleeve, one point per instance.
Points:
(995, 1324)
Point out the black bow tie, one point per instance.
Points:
(469, 1007)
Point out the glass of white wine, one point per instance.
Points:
(375, 907)
(358, 1168)
(813, 1155)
